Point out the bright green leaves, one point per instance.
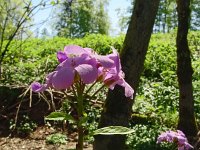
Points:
(59, 116)
(80, 17)
(83, 119)
(113, 130)
(54, 2)
(56, 139)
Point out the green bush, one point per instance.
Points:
(56, 138)
(145, 137)
(31, 59)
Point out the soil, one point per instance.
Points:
(13, 104)
(37, 141)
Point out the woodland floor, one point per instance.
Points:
(37, 141)
(11, 105)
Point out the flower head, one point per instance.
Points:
(115, 76)
(177, 137)
(70, 65)
(89, 66)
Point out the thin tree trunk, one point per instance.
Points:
(187, 121)
(118, 108)
(165, 16)
(1, 70)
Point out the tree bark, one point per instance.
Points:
(187, 122)
(118, 108)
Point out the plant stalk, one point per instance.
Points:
(80, 110)
(79, 145)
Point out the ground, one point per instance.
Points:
(12, 105)
(37, 141)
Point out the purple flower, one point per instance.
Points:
(61, 56)
(74, 50)
(63, 76)
(115, 76)
(177, 137)
(89, 66)
(188, 146)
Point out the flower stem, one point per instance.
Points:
(79, 145)
(80, 110)
(89, 89)
(74, 91)
(97, 91)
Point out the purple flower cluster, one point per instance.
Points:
(177, 137)
(84, 64)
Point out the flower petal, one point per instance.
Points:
(181, 148)
(88, 73)
(63, 78)
(128, 90)
(181, 133)
(65, 64)
(90, 51)
(74, 50)
(111, 74)
(37, 87)
(82, 59)
(105, 61)
(181, 139)
(113, 83)
(188, 146)
(61, 56)
(115, 57)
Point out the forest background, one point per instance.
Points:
(28, 48)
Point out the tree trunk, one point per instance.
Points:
(1, 72)
(117, 110)
(187, 122)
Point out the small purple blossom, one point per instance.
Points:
(115, 76)
(177, 137)
(61, 56)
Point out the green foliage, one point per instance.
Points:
(31, 59)
(78, 18)
(24, 127)
(10, 13)
(56, 138)
(166, 18)
(157, 98)
(158, 90)
(57, 116)
(111, 130)
(124, 16)
(145, 137)
(195, 14)
(194, 42)
(15, 18)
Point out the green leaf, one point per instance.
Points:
(113, 130)
(83, 120)
(53, 2)
(56, 116)
(56, 139)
